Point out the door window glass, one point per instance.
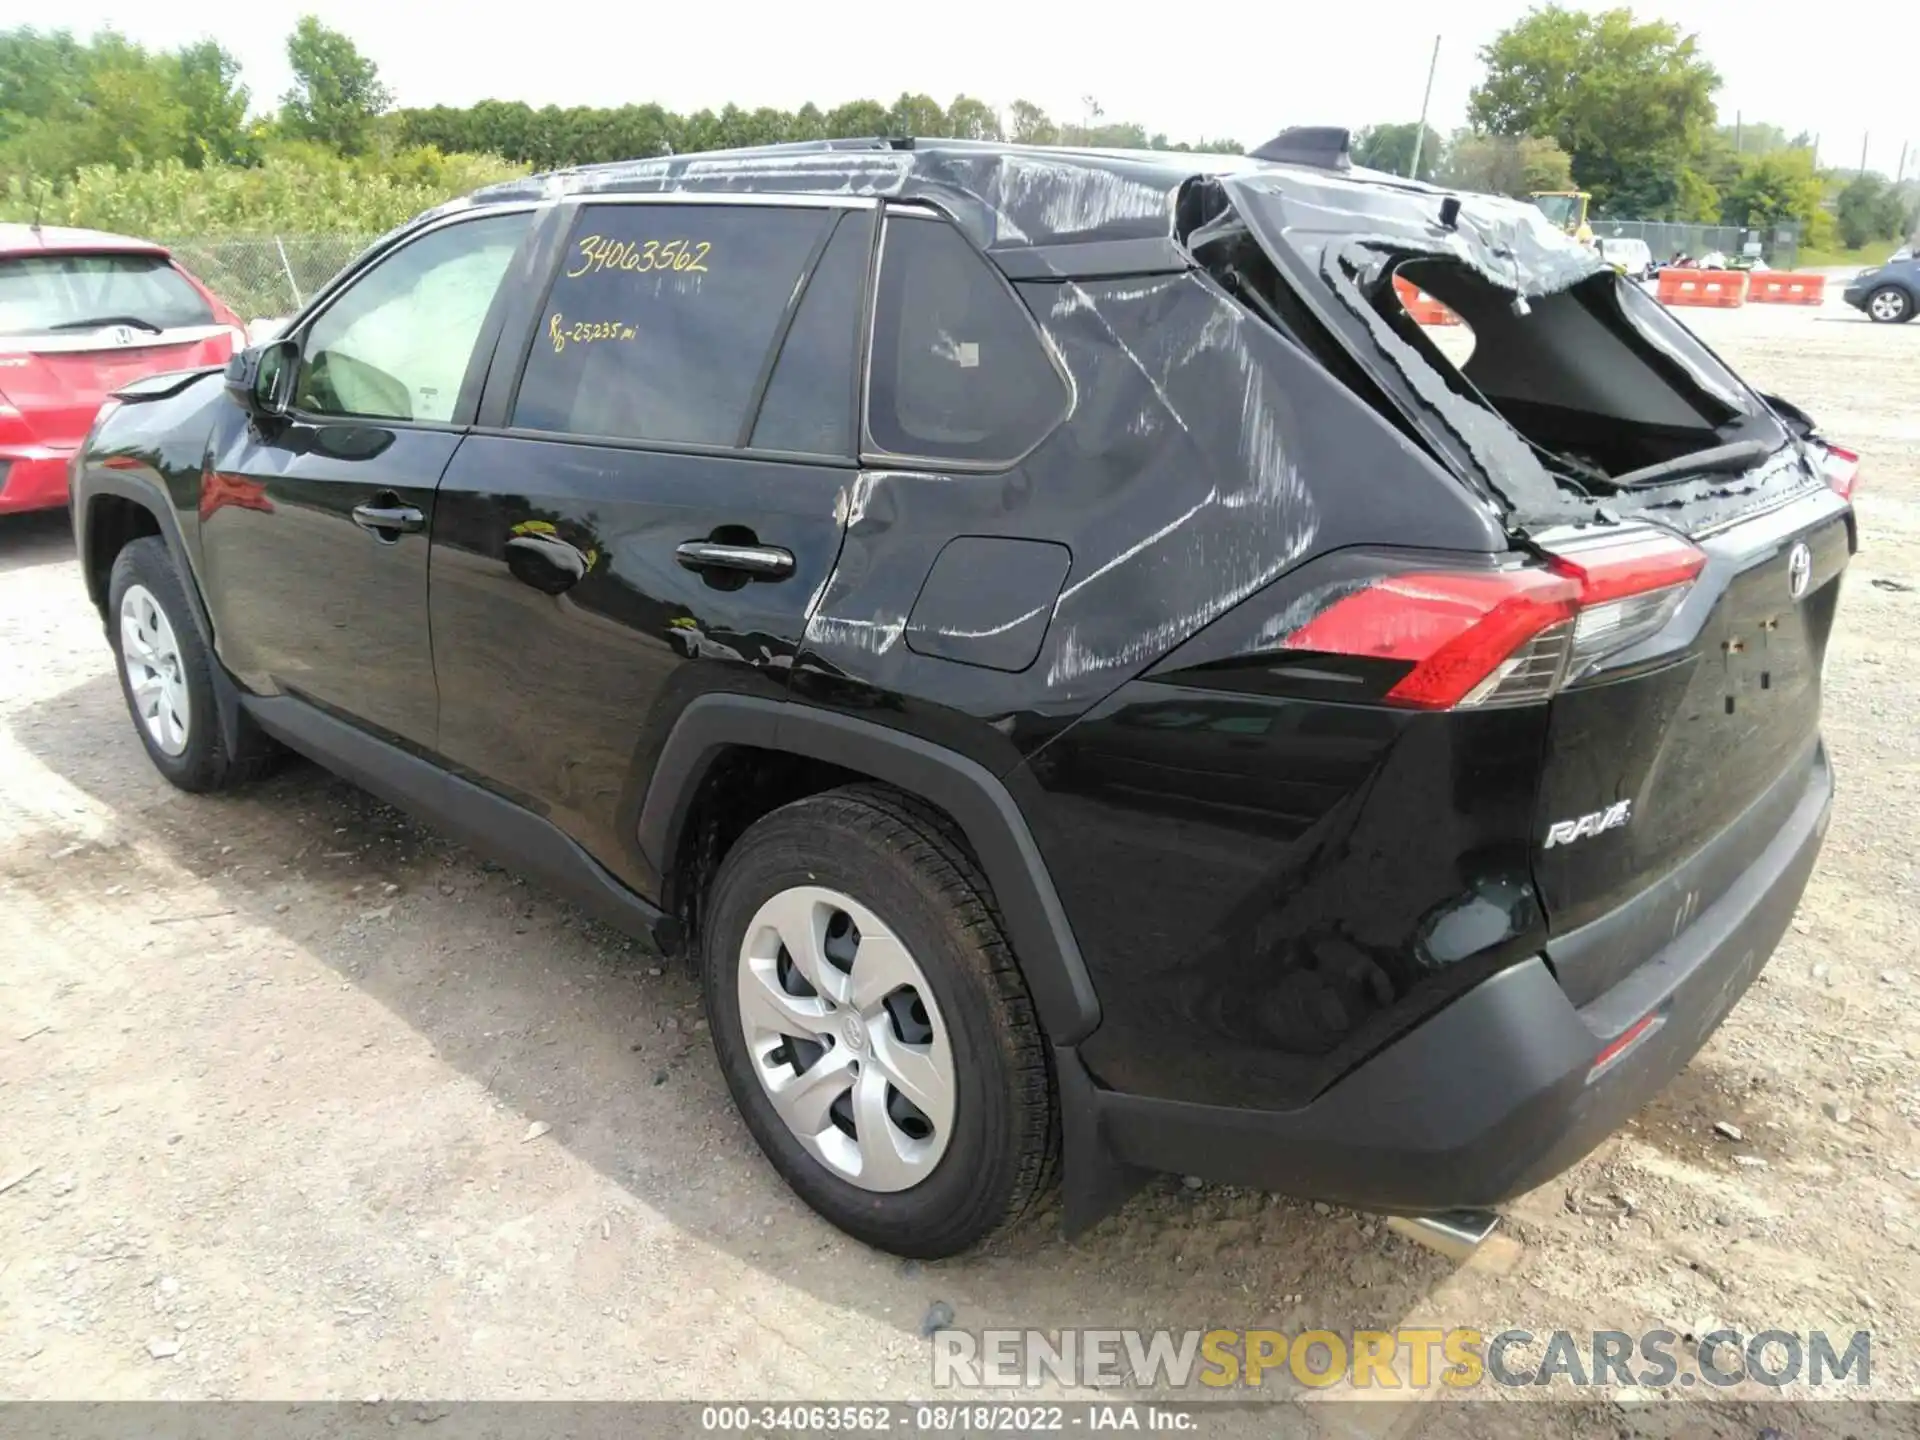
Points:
(808, 407)
(661, 317)
(958, 371)
(396, 344)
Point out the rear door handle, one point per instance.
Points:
(765, 562)
(389, 521)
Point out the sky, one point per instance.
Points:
(1245, 74)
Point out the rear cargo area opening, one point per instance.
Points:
(1565, 390)
(1580, 379)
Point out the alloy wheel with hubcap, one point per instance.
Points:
(156, 675)
(1888, 305)
(846, 1038)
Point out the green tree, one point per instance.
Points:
(1869, 209)
(1628, 101)
(43, 76)
(971, 119)
(1774, 189)
(214, 104)
(860, 117)
(916, 115)
(1390, 148)
(1504, 165)
(1030, 125)
(336, 94)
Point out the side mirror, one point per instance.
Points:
(261, 378)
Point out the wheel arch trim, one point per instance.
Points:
(975, 799)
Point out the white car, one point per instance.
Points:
(1630, 256)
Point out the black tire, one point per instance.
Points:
(904, 863)
(1895, 301)
(203, 763)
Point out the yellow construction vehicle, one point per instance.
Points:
(1568, 210)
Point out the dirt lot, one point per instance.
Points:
(311, 1103)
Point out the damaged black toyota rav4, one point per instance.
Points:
(1095, 688)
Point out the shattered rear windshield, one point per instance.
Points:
(1563, 384)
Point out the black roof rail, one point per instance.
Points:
(1325, 147)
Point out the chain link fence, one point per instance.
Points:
(267, 276)
(1779, 246)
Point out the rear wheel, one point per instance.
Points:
(166, 674)
(873, 1027)
(1890, 305)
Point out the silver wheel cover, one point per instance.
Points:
(156, 674)
(846, 1038)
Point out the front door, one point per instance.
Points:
(657, 501)
(314, 525)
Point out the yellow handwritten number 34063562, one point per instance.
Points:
(597, 253)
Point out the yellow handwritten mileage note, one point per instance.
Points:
(597, 254)
(584, 332)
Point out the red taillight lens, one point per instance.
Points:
(1507, 637)
(1630, 585)
(1629, 564)
(1457, 627)
(1839, 468)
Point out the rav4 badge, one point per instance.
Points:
(1565, 832)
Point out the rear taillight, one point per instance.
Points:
(1630, 585)
(1509, 636)
(1839, 468)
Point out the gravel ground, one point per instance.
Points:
(300, 1100)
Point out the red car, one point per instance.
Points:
(81, 314)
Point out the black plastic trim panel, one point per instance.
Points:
(976, 800)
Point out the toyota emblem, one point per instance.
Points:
(1799, 570)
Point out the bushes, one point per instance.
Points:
(296, 189)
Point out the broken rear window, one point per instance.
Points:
(1569, 385)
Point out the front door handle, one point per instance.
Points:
(763, 562)
(387, 518)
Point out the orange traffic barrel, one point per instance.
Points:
(1424, 309)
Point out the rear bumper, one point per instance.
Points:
(33, 478)
(1499, 1092)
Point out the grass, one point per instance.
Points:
(1837, 255)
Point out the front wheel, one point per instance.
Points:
(166, 674)
(1890, 305)
(873, 1026)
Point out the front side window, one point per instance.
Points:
(396, 344)
(958, 371)
(661, 318)
(53, 294)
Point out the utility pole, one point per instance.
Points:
(1737, 148)
(1863, 151)
(1420, 131)
(1901, 173)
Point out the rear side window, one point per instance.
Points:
(53, 294)
(809, 402)
(661, 318)
(958, 370)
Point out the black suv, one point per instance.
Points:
(1094, 686)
